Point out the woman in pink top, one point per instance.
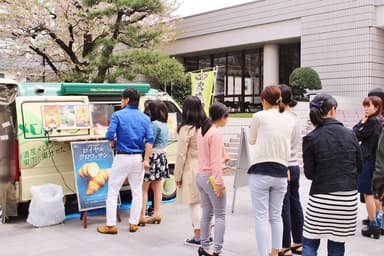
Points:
(212, 157)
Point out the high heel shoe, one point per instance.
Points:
(203, 252)
(142, 222)
(371, 230)
(154, 220)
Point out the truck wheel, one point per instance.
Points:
(169, 188)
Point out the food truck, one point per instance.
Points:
(39, 122)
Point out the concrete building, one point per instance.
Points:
(261, 42)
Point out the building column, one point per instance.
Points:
(271, 64)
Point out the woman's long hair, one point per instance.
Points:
(319, 107)
(216, 111)
(157, 110)
(193, 112)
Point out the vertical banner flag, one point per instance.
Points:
(202, 87)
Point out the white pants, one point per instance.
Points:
(124, 166)
(195, 212)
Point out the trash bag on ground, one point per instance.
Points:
(46, 207)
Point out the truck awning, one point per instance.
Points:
(98, 89)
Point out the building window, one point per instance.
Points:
(220, 61)
(191, 63)
(205, 62)
(289, 59)
(233, 90)
(239, 77)
(252, 79)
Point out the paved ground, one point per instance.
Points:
(20, 238)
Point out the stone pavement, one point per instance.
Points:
(19, 238)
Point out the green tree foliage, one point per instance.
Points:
(95, 40)
(182, 90)
(302, 79)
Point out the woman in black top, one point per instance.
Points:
(367, 131)
(332, 160)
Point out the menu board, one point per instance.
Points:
(66, 116)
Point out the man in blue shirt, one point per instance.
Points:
(134, 138)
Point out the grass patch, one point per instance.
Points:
(241, 115)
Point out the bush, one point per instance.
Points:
(302, 79)
(180, 91)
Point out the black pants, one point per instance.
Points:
(292, 214)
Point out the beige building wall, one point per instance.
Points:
(343, 40)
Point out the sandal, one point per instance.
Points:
(283, 252)
(297, 249)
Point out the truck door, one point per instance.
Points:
(8, 158)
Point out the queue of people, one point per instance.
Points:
(339, 162)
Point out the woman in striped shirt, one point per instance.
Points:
(332, 160)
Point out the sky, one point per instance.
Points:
(191, 7)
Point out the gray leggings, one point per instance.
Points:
(211, 206)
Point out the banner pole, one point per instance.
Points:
(215, 69)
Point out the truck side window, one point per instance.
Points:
(101, 115)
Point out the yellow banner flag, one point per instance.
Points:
(202, 87)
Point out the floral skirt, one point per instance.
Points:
(158, 169)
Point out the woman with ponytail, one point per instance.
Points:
(332, 160)
(270, 134)
(212, 157)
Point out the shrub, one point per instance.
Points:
(302, 79)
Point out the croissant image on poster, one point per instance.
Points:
(92, 162)
(96, 177)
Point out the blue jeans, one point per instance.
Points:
(310, 247)
(267, 194)
(382, 220)
(293, 218)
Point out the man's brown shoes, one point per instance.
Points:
(133, 228)
(113, 229)
(107, 230)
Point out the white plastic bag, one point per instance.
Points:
(46, 207)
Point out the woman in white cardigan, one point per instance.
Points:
(270, 134)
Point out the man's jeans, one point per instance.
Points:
(310, 247)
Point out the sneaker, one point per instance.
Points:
(107, 230)
(194, 242)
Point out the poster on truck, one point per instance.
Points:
(92, 162)
(66, 116)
